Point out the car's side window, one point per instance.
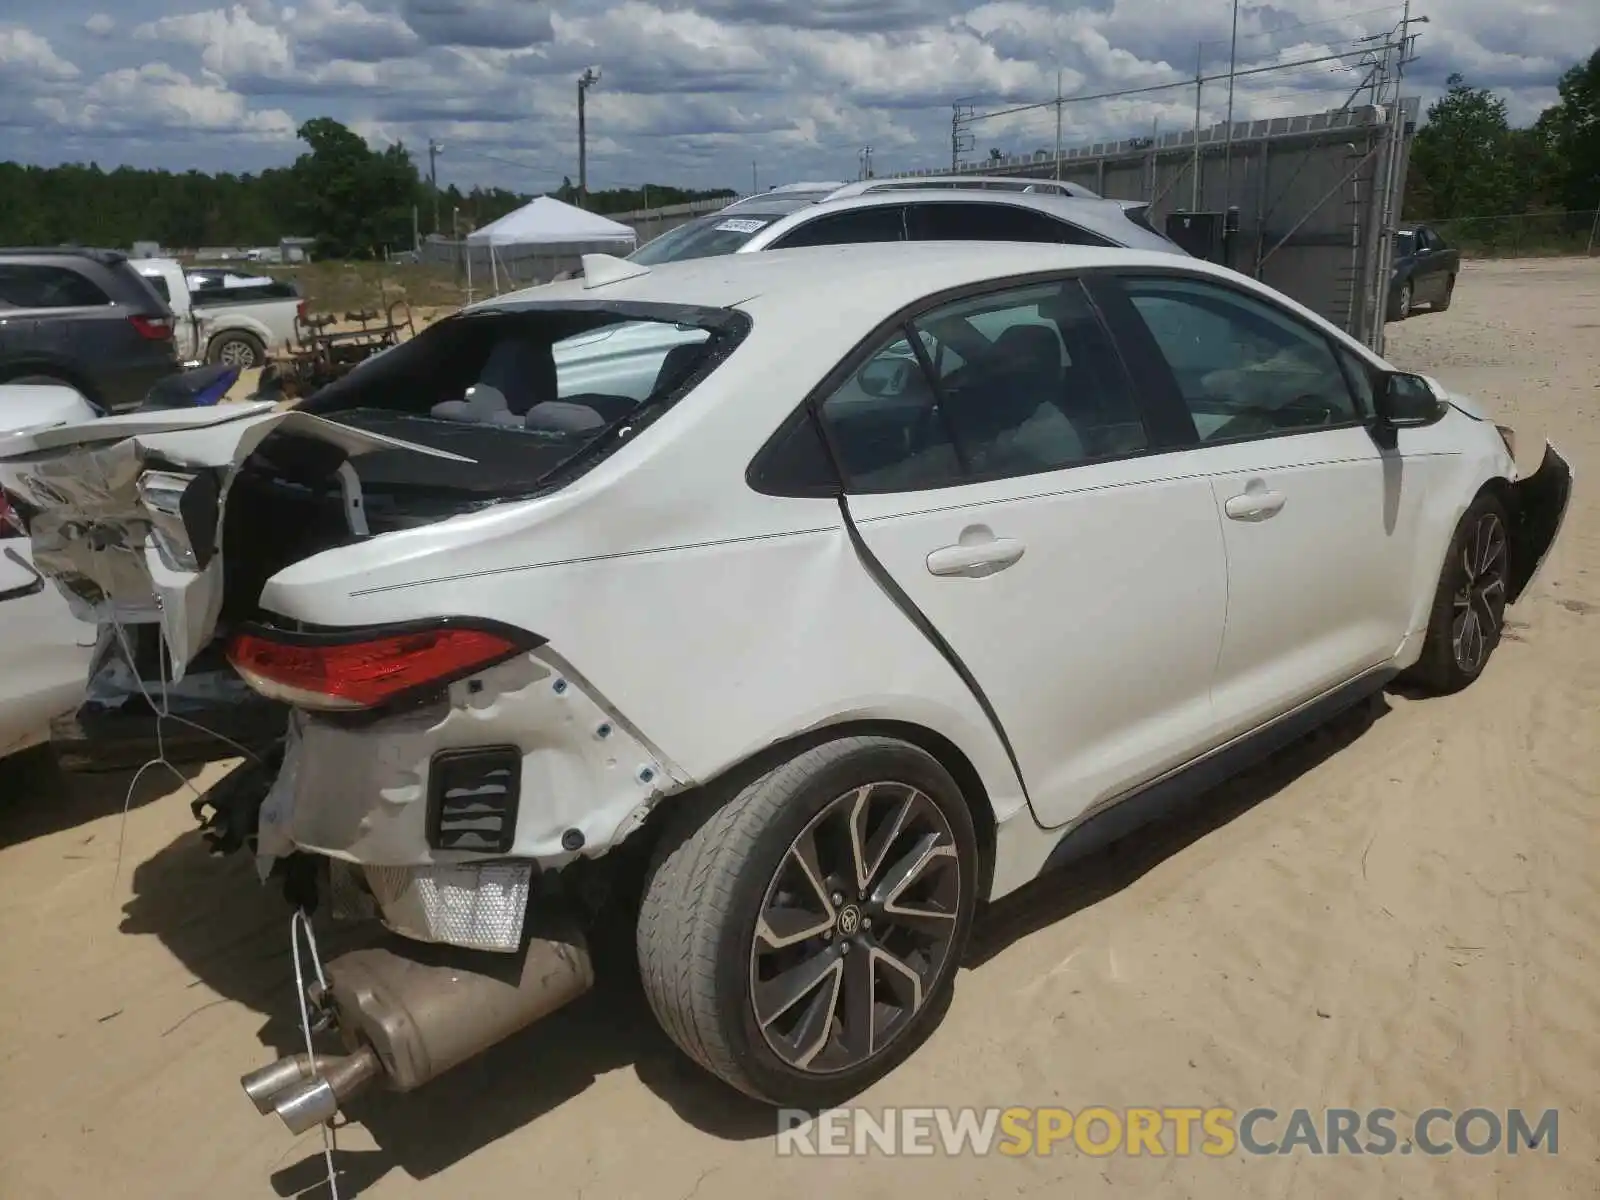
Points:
(24, 285)
(953, 221)
(881, 224)
(1027, 381)
(1360, 376)
(1244, 367)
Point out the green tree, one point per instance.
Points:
(354, 200)
(1462, 163)
(1571, 132)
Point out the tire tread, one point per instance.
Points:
(689, 898)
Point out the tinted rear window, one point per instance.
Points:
(25, 285)
(705, 238)
(219, 293)
(993, 223)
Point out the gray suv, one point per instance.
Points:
(919, 209)
(84, 318)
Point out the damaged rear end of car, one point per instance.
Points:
(414, 758)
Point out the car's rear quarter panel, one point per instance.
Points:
(712, 620)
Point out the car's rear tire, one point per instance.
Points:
(1449, 291)
(237, 349)
(1469, 606)
(746, 954)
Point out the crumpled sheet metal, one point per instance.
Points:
(93, 525)
(86, 525)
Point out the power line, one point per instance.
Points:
(1188, 82)
(1390, 9)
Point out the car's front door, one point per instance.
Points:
(1001, 473)
(1320, 523)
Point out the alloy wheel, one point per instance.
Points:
(1480, 603)
(1405, 300)
(855, 928)
(238, 354)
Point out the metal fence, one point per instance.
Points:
(1313, 193)
(1517, 235)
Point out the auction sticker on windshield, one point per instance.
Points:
(739, 225)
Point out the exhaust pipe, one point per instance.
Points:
(409, 1016)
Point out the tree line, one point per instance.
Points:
(1468, 164)
(355, 201)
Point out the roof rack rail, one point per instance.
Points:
(995, 183)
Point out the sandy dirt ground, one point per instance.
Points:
(1400, 912)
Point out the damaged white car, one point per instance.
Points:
(909, 573)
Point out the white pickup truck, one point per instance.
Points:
(224, 318)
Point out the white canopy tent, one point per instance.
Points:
(549, 222)
(543, 237)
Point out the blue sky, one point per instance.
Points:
(694, 91)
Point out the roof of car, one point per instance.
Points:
(109, 258)
(846, 281)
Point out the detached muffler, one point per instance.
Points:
(410, 1016)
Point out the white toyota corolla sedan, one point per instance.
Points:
(909, 573)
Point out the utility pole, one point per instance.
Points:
(1058, 121)
(434, 150)
(590, 77)
(1227, 144)
(865, 159)
(961, 114)
(1194, 166)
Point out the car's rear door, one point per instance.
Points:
(1320, 523)
(1007, 485)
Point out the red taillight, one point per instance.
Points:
(157, 329)
(333, 673)
(300, 310)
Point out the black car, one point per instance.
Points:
(1424, 272)
(84, 318)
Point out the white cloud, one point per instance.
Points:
(231, 41)
(28, 59)
(693, 90)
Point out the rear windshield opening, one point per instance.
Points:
(526, 394)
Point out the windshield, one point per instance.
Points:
(1405, 242)
(705, 238)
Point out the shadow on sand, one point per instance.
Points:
(38, 799)
(233, 934)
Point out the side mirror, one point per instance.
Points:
(885, 376)
(1407, 400)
